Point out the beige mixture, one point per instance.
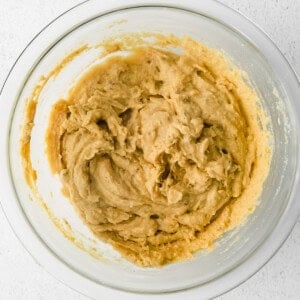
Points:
(159, 152)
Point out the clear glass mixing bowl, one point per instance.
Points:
(239, 253)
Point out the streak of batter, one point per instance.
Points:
(154, 148)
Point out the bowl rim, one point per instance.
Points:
(13, 210)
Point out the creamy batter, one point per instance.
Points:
(158, 152)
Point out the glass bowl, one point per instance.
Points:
(239, 253)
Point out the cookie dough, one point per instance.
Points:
(154, 148)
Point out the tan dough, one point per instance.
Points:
(153, 149)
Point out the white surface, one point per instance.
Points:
(20, 276)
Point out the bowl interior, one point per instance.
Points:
(109, 268)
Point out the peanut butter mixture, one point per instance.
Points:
(155, 148)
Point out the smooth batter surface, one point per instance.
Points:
(158, 152)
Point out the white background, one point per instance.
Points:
(20, 276)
